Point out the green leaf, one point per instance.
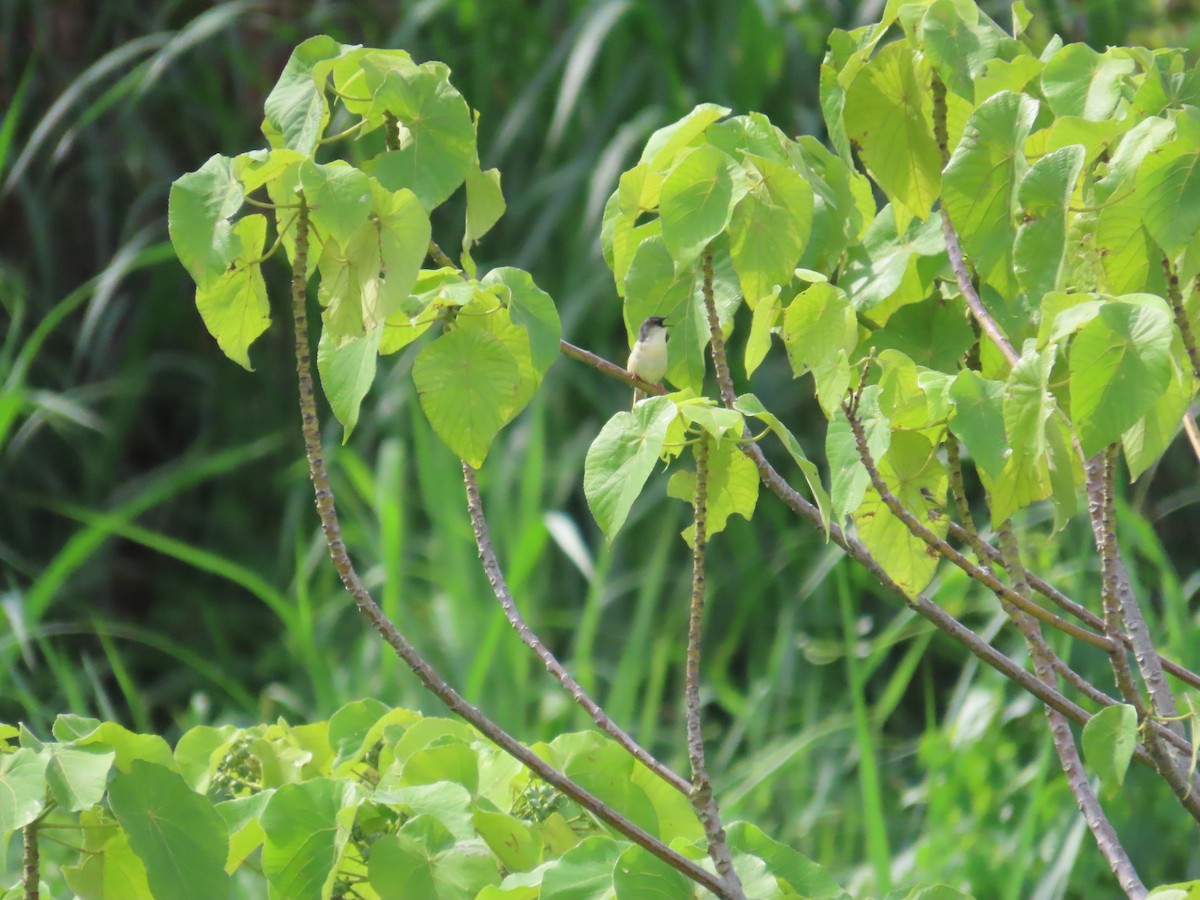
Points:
(1149, 438)
(108, 869)
(763, 323)
(296, 108)
(128, 745)
(622, 458)
(978, 419)
(347, 370)
(533, 309)
(916, 477)
(980, 181)
(404, 233)
(78, 776)
(732, 488)
(422, 861)
(1109, 739)
(585, 872)
(445, 801)
(669, 141)
(1028, 407)
(485, 204)
(1041, 243)
(1120, 364)
(752, 406)
(339, 198)
(199, 208)
(801, 875)
(697, 200)
(848, 478)
(175, 832)
(453, 761)
(957, 45)
(468, 381)
(769, 227)
(437, 134)
(820, 331)
(242, 816)
(307, 825)
(1168, 188)
(234, 308)
(486, 313)
(516, 843)
(638, 875)
(22, 789)
(934, 333)
(350, 284)
(1078, 81)
(888, 115)
(883, 263)
(653, 287)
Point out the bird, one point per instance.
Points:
(648, 359)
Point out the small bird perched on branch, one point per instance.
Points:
(648, 359)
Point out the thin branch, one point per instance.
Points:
(703, 800)
(600, 364)
(983, 575)
(495, 576)
(30, 862)
(702, 797)
(1175, 296)
(1064, 741)
(1085, 615)
(1162, 702)
(1102, 510)
(954, 250)
(427, 675)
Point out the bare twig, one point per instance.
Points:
(702, 797)
(427, 675)
(30, 861)
(1060, 599)
(495, 576)
(702, 792)
(1064, 741)
(1102, 509)
(1162, 702)
(979, 573)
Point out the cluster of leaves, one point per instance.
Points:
(369, 234)
(376, 803)
(1069, 176)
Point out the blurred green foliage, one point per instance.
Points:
(159, 559)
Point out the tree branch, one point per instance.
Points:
(1064, 741)
(702, 797)
(495, 576)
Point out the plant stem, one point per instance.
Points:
(1064, 741)
(495, 576)
(30, 861)
(702, 793)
